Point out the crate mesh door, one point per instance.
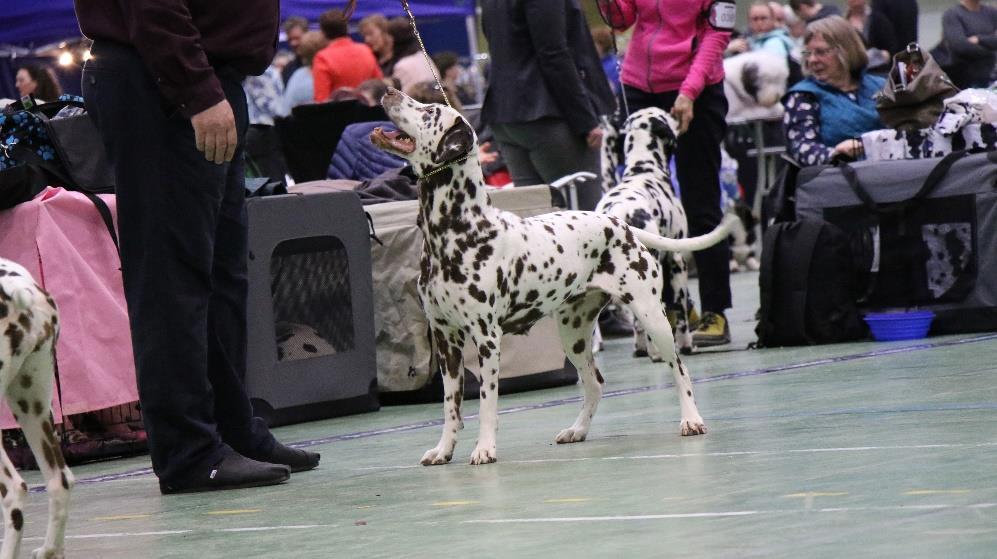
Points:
(310, 284)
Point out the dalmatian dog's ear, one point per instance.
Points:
(456, 142)
(749, 79)
(661, 128)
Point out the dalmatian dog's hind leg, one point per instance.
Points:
(679, 280)
(449, 351)
(14, 490)
(646, 306)
(30, 395)
(575, 319)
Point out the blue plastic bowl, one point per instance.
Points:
(891, 326)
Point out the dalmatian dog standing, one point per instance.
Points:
(30, 324)
(485, 272)
(609, 154)
(644, 200)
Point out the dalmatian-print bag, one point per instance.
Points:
(916, 251)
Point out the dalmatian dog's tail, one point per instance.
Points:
(23, 298)
(719, 233)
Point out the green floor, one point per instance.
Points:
(834, 451)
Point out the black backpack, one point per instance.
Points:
(809, 286)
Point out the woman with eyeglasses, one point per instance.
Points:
(833, 106)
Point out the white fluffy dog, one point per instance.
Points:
(754, 82)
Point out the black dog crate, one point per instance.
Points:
(311, 330)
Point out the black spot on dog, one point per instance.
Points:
(598, 377)
(749, 79)
(49, 456)
(17, 519)
(23, 405)
(640, 218)
(65, 481)
(16, 336)
(25, 379)
(579, 346)
(606, 265)
(477, 293)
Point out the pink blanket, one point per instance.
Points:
(60, 238)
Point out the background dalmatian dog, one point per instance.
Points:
(609, 154)
(300, 341)
(486, 272)
(754, 82)
(743, 236)
(30, 325)
(644, 200)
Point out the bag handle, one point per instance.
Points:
(933, 179)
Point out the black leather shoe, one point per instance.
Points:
(235, 471)
(613, 325)
(295, 458)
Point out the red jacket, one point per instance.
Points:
(343, 63)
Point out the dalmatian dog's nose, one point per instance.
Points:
(391, 98)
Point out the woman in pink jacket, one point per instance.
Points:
(675, 61)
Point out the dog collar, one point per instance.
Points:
(450, 163)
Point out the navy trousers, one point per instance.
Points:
(697, 164)
(182, 224)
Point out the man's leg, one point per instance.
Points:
(227, 328)
(515, 155)
(554, 151)
(168, 200)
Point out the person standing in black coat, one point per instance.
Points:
(546, 91)
(902, 15)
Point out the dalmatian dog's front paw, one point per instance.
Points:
(572, 435)
(483, 455)
(692, 427)
(47, 553)
(436, 457)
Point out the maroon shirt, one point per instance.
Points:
(180, 40)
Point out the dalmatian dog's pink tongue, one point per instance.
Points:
(392, 140)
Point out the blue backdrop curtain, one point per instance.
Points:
(33, 23)
(36, 23)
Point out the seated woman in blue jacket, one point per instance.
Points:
(828, 111)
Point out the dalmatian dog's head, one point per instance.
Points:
(754, 83)
(650, 138)
(427, 135)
